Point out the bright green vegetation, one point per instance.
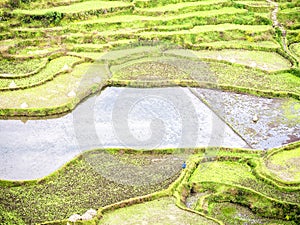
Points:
(158, 211)
(232, 213)
(255, 6)
(16, 67)
(254, 3)
(181, 6)
(211, 28)
(34, 51)
(296, 49)
(79, 185)
(238, 175)
(223, 172)
(219, 73)
(290, 107)
(76, 8)
(134, 64)
(45, 4)
(246, 77)
(88, 29)
(127, 18)
(239, 179)
(52, 97)
(53, 68)
(285, 165)
(92, 55)
(88, 47)
(282, 158)
(239, 45)
(221, 187)
(140, 71)
(59, 52)
(288, 15)
(269, 61)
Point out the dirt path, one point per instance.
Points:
(276, 23)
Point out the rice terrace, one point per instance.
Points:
(150, 112)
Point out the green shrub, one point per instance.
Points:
(16, 3)
(52, 18)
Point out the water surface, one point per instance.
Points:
(140, 119)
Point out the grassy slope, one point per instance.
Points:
(179, 6)
(285, 165)
(269, 61)
(231, 213)
(48, 95)
(130, 18)
(79, 186)
(235, 182)
(154, 212)
(114, 30)
(63, 193)
(52, 69)
(76, 8)
(237, 174)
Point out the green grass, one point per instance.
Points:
(128, 53)
(79, 186)
(211, 28)
(290, 10)
(296, 49)
(223, 172)
(254, 3)
(36, 51)
(268, 61)
(289, 17)
(283, 158)
(238, 175)
(18, 67)
(255, 6)
(148, 70)
(159, 68)
(239, 44)
(225, 186)
(223, 73)
(160, 211)
(10, 217)
(225, 27)
(285, 165)
(9, 42)
(51, 70)
(76, 7)
(48, 4)
(231, 213)
(119, 53)
(99, 47)
(53, 94)
(91, 55)
(249, 78)
(179, 6)
(232, 154)
(134, 18)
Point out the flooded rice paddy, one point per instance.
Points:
(145, 119)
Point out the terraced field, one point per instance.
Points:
(54, 54)
(52, 33)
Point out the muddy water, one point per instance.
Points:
(278, 119)
(139, 119)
